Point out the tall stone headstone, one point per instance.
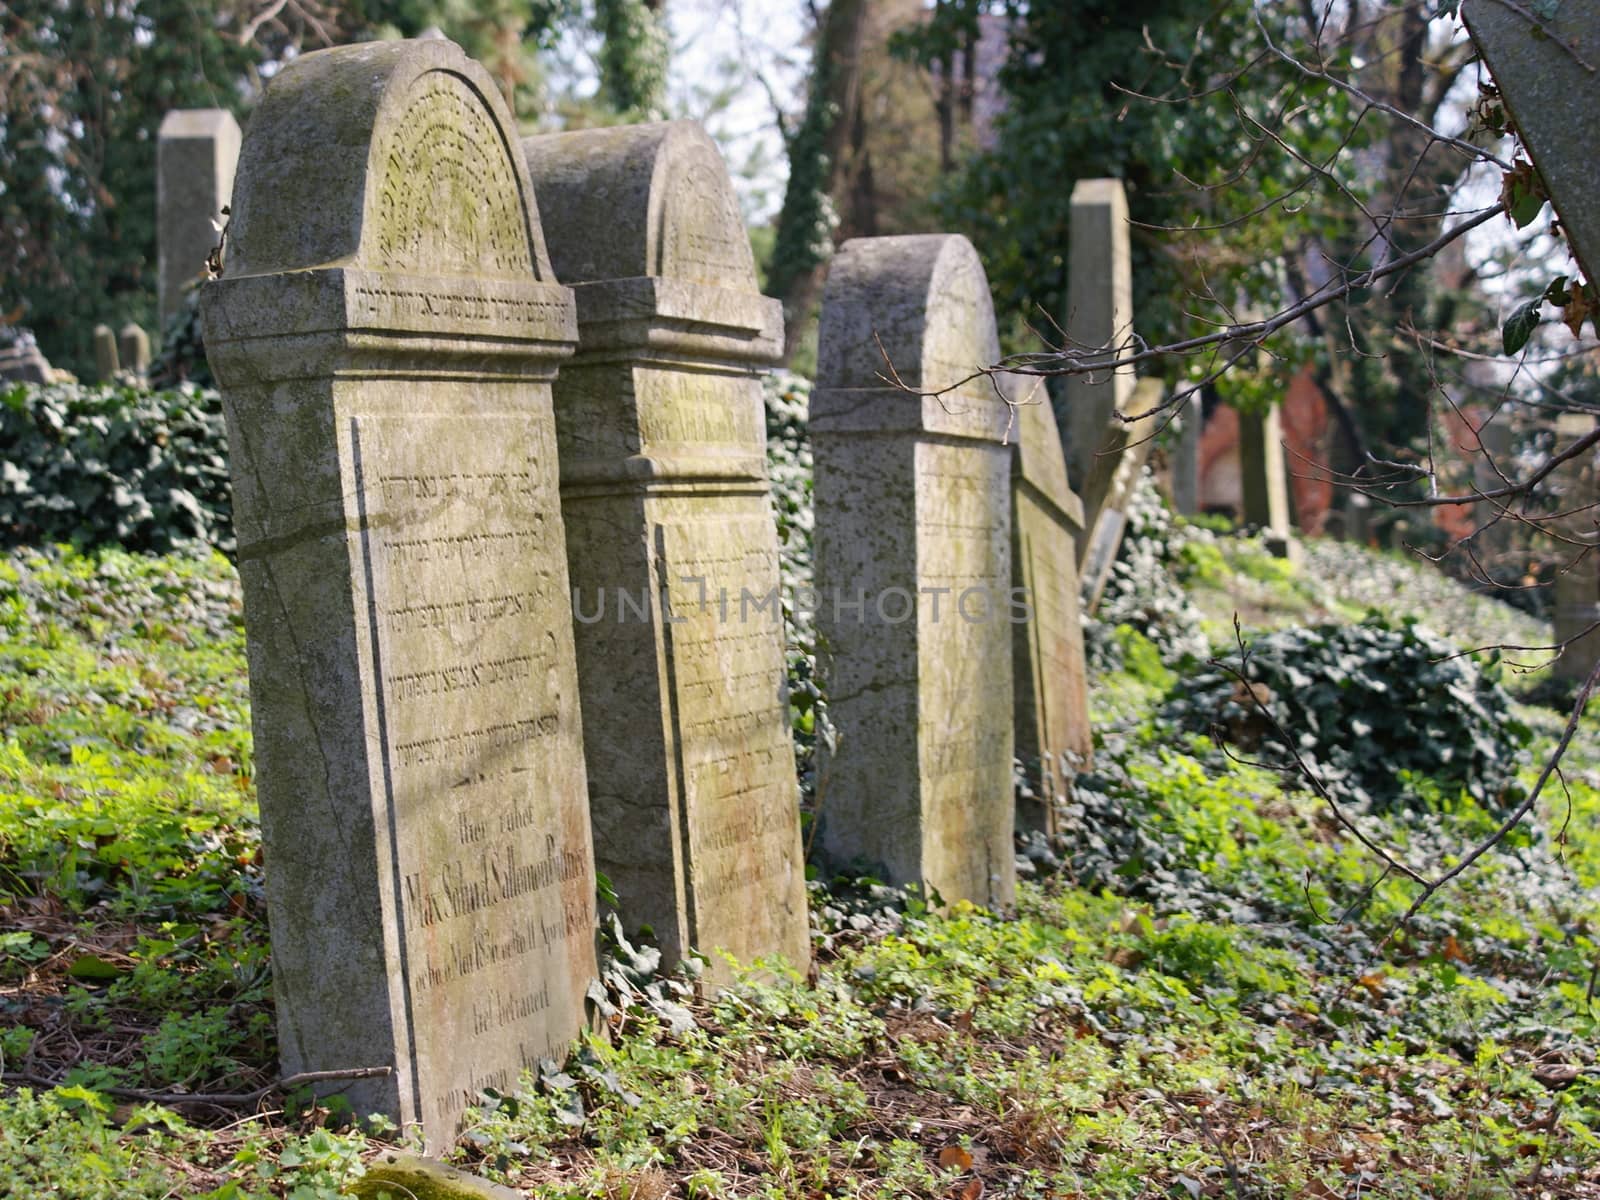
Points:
(197, 151)
(1099, 317)
(1110, 489)
(133, 347)
(671, 541)
(1265, 480)
(1049, 674)
(913, 571)
(106, 362)
(1186, 459)
(1544, 58)
(385, 335)
(1577, 581)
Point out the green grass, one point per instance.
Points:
(1202, 1004)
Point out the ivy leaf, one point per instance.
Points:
(1519, 326)
(1523, 194)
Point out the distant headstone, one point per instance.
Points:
(913, 571)
(1099, 316)
(21, 360)
(1577, 581)
(671, 542)
(1264, 479)
(1544, 59)
(1114, 473)
(1053, 736)
(133, 345)
(385, 335)
(1186, 459)
(106, 362)
(197, 150)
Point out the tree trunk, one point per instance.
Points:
(805, 227)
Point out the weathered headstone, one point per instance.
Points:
(671, 542)
(1265, 482)
(1577, 582)
(913, 570)
(21, 360)
(1049, 674)
(1186, 459)
(133, 346)
(1113, 475)
(1544, 58)
(106, 363)
(197, 150)
(385, 335)
(1099, 316)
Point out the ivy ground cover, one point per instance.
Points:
(1201, 994)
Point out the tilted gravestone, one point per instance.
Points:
(1099, 317)
(913, 571)
(385, 334)
(197, 152)
(1113, 475)
(106, 362)
(671, 542)
(1264, 479)
(1053, 736)
(1577, 581)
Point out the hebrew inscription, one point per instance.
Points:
(447, 196)
(732, 730)
(463, 577)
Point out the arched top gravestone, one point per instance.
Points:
(636, 200)
(664, 490)
(370, 168)
(920, 304)
(646, 228)
(385, 333)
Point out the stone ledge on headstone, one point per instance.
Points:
(383, 338)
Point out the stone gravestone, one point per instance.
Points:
(913, 571)
(671, 542)
(106, 364)
(385, 335)
(1115, 471)
(1099, 315)
(1544, 58)
(133, 345)
(197, 150)
(21, 360)
(1050, 677)
(1577, 581)
(1264, 479)
(1186, 459)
